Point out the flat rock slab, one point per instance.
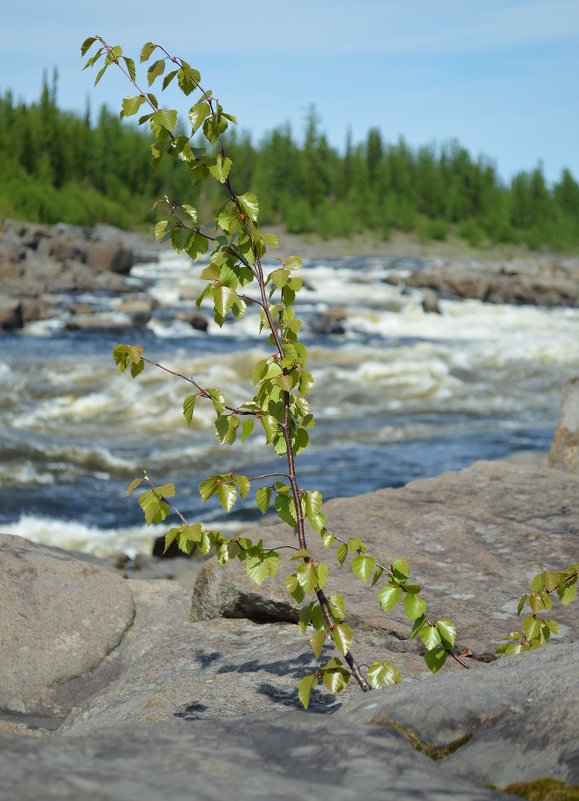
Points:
(514, 721)
(271, 757)
(59, 617)
(213, 669)
(473, 538)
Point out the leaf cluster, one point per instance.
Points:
(537, 628)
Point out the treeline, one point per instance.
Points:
(60, 166)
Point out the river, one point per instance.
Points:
(400, 395)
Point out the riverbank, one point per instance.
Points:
(44, 269)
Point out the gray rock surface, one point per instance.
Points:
(55, 261)
(170, 708)
(59, 617)
(271, 757)
(473, 539)
(513, 721)
(543, 280)
(564, 451)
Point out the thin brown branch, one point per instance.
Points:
(202, 392)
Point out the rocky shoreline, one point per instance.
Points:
(44, 270)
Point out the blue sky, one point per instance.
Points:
(502, 76)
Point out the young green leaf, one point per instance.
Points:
(322, 571)
(157, 68)
(414, 607)
(337, 607)
(327, 538)
(227, 495)
(531, 627)
(317, 641)
(262, 498)
(400, 569)
(189, 408)
(305, 686)
(147, 50)
(87, 44)
(247, 428)
(197, 115)
(133, 485)
(335, 679)
(363, 566)
(131, 105)
(294, 588)
(307, 576)
(262, 565)
(389, 597)
(567, 594)
(435, 659)
(170, 536)
(342, 636)
(244, 485)
(342, 553)
(208, 487)
(249, 204)
(447, 631)
(430, 636)
(382, 674)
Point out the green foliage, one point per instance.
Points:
(280, 381)
(536, 628)
(55, 165)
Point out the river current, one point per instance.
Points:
(399, 395)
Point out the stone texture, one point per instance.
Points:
(10, 313)
(209, 709)
(513, 721)
(473, 539)
(59, 617)
(543, 281)
(271, 757)
(564, 451)
(59, 260)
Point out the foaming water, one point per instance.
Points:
(400, 395)
(76, 536)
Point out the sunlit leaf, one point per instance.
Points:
(447, 630)
(430, 636)
(389, 597)
(249, 204)
(262, 498)
(382, 674)
(342, 636)
(317, 641)
(305, 686)
(262, 565)
(414, 607)
(227, 495)
(363, 566)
